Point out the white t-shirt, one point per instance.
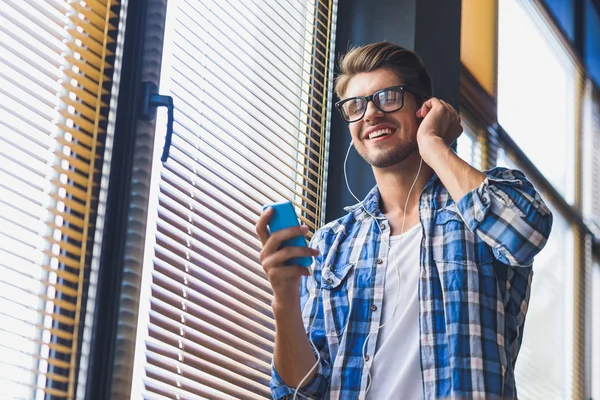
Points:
(396, 370)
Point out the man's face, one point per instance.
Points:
(387, 150)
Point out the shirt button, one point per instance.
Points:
(329, 280)
(367, 358)
(379, 261)
(373, 307)
(383, 227)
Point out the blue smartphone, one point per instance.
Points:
(283, 217)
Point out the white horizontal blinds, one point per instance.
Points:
(249, 83)
(544, 368)
(591, 158)
(469, 145)
(54, 80)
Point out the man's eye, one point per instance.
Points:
(353, 106)
(390, 96)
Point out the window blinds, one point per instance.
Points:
(591, 158)
(250, 83)
(55, 79)
(469, 144)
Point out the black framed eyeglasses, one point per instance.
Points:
(387, 100)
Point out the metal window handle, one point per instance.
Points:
(151, 100)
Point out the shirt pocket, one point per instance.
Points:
(454, 242)
(338, 286)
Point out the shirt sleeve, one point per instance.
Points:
(312, 315)
(508, 214)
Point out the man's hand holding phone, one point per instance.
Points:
(279, 234)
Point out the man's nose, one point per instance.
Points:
(372, 112)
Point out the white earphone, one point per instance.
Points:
(397, 271)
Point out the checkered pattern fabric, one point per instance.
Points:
(474, 287)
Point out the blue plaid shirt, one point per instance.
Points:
(474, 286)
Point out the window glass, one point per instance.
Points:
(536, 93)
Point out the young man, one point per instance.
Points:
(421, 290)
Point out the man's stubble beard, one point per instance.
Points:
(384, 159)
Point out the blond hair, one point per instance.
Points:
(406, 64)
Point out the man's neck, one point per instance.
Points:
(394, 184)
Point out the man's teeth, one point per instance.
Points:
(380, 132)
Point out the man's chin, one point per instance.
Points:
(389, 160)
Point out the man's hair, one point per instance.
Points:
(406, 64)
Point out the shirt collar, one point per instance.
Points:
(370, 203)
(372, 199)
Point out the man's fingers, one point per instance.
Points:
(281, 256)
(261, 226)
(427, 106)
(424, 110)
(274, 241)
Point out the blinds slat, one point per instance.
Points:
(28, 61)
(26, 167)
(266, 127)
(42, 33)
(41, 54)
(219, 339)
(22, 115)
(177, 190)
(237, 171)
(89, 42)
(198, 187)
(268, 22)
(186, 160)
(262, 88)
(201, 380)
(251, 68)
(56, 15)
(210, 242)
(306, 34)
(194, 44)
(30, 339)
(229, 245)
(212, 81)
(36, 104)
(168, 331)
(25, 149)
(231, 121)
(291, 70)
(94, 18)
(219, 275)
(274, 157)
(255, 383)
(183, 161)
(100, 8)
(89, 85)
(194, 218)
(76, 148)
(194, 341)
(72, 175)
(22, 263)
(184, 386)
(93, 31)
(29, 157)
(212, 260)
(158, 390)
(40, 327)
(34, 84)
(13, 354)
(251, 320)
